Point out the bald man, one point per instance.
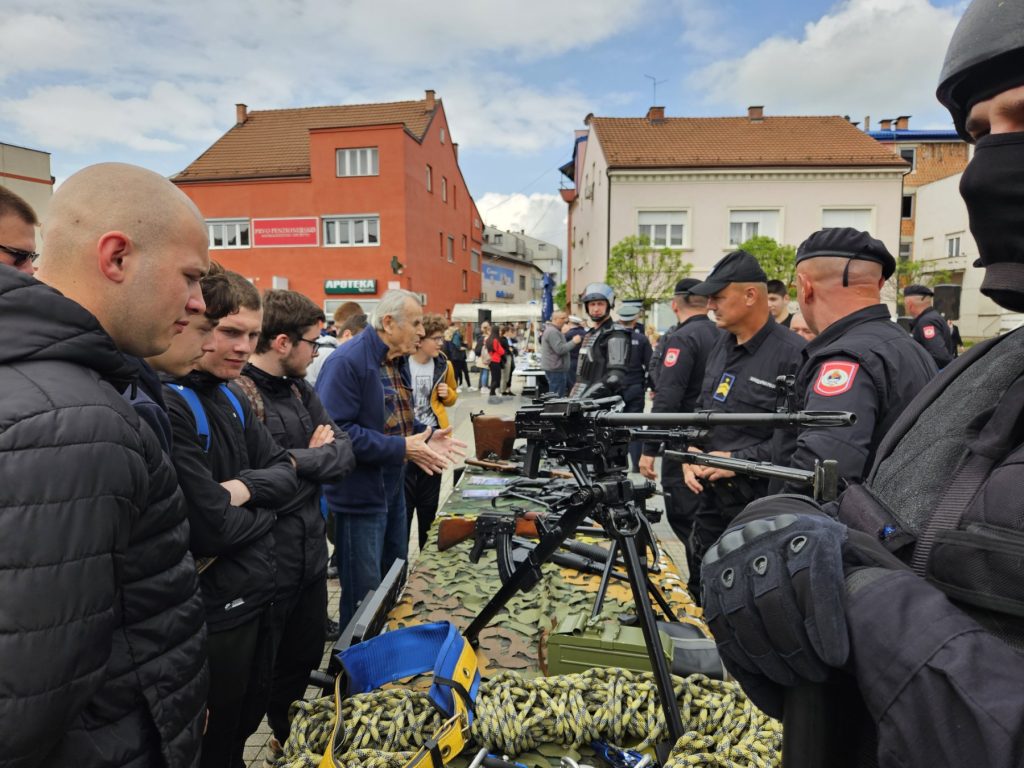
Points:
(102, 629)
(860, 360)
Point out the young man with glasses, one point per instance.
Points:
(18, 224)
(433, 387)
(275, 385)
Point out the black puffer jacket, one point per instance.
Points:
(102, 643)
(242, 580)
(291, 411)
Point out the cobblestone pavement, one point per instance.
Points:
(469, 402)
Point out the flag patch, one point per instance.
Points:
(670, 357)
(929, 331)
(835, 378)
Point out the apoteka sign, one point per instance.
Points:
(335, 287)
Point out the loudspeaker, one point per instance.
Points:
(483, 316)
(947, 301)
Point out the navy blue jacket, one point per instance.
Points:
(350, 387)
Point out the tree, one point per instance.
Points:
(558, 300)
(637, 270)
(778, 261)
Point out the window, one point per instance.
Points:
(497, 238)
(744, 225)
(663, 228)
(910, 155)
(905, 251)
(444, 189)
(455, 195)
(464, 242)
(451, 248)
(474, 260)
(465, 281)
(907, 211)
(858, 218)
(441, 133)
(357, 162)
(522, 282)
(351, 231)
(430, 179)
(228, 233)
(952, 245)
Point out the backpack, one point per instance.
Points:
(255, 397)
(199, 413)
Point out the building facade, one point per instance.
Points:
(26, 172)
(342, 203)
(509, 279)
(704, 185)
(547, 256)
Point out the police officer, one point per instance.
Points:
(860, 361)
(604, 352)
(739, 378)
(679, 378)
(636, 373)
(929, 328)
(933, 642)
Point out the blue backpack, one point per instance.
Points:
(196, 406)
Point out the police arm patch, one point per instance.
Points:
(835, 377)
(671, 357)
(929, 331)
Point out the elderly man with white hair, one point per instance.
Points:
(366, 389)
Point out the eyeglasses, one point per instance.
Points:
(313, 343)
(435, 339)
(20, 256)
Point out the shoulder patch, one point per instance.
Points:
(835, 377)
(671, 356)
(928, 331)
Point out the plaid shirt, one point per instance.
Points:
(397, 399)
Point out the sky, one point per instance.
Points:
(156, 84)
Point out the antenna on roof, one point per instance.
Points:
(655, 82)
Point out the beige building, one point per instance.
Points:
(508, 279)
(943, 243)
(26, 172)
(704, 185)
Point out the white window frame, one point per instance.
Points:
(242, 227)
(355, 224)
(351, 161)
(444, 189)
(450, 249)
(954, 243)
(666, 214)
(430, 178)
(752, 225)
(913, 156)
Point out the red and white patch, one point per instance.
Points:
(929, 331)
(835, 378)
(670, 357)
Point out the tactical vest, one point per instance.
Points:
(604, 356)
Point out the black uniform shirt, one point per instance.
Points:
(740, 378)
(931, 331)
(639, 359)
(866, 364)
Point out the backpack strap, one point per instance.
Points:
(235, 404)
(254, 396)
(198, 412)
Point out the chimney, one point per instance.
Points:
(656, 115)
(588, 118)
(903, 123)
(867, 123)
(241, 113)
(886, 125)
(430, 100)
(755, 114)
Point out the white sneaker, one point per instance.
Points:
(458, 389)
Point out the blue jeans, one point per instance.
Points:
(484, 374)
(558, 382)
(367, 545)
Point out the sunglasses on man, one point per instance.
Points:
(19, 256)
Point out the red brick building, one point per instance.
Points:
(342, 203)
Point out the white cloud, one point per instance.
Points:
(877, 57)
(540, 215)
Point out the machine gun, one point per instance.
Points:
(823, 479)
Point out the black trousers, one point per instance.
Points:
(461, 368)
(494, 380)
(422, 494)
(232, 656)
(633, 402)
(300, 647)
(716, 508)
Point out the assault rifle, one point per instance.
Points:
(823, 479)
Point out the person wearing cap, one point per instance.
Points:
(740, 377)
(677, 388)
(929, 630)
(929, 328)
(636, 373)
(604, 351)
(861, 361)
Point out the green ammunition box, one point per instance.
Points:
(574, 647)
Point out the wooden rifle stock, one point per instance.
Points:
(512, 467)
(493, 436)
(455, 530)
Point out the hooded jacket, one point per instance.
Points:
(102, 639)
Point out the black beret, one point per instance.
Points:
(918, 290)
(735, 267)
(684, 285)
(849, 243)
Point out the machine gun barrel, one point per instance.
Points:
(708, 419)
(823, 479)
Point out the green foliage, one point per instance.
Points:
(637, 270)
(559, 298)
(778, 261)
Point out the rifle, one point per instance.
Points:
(513, 467)
(493, 436)
(455, 530)
(823, 479)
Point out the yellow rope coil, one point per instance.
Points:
(383, 729)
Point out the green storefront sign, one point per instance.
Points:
(334, 287)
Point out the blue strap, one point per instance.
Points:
(410, 651)
(234, 403)
(198, 412)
